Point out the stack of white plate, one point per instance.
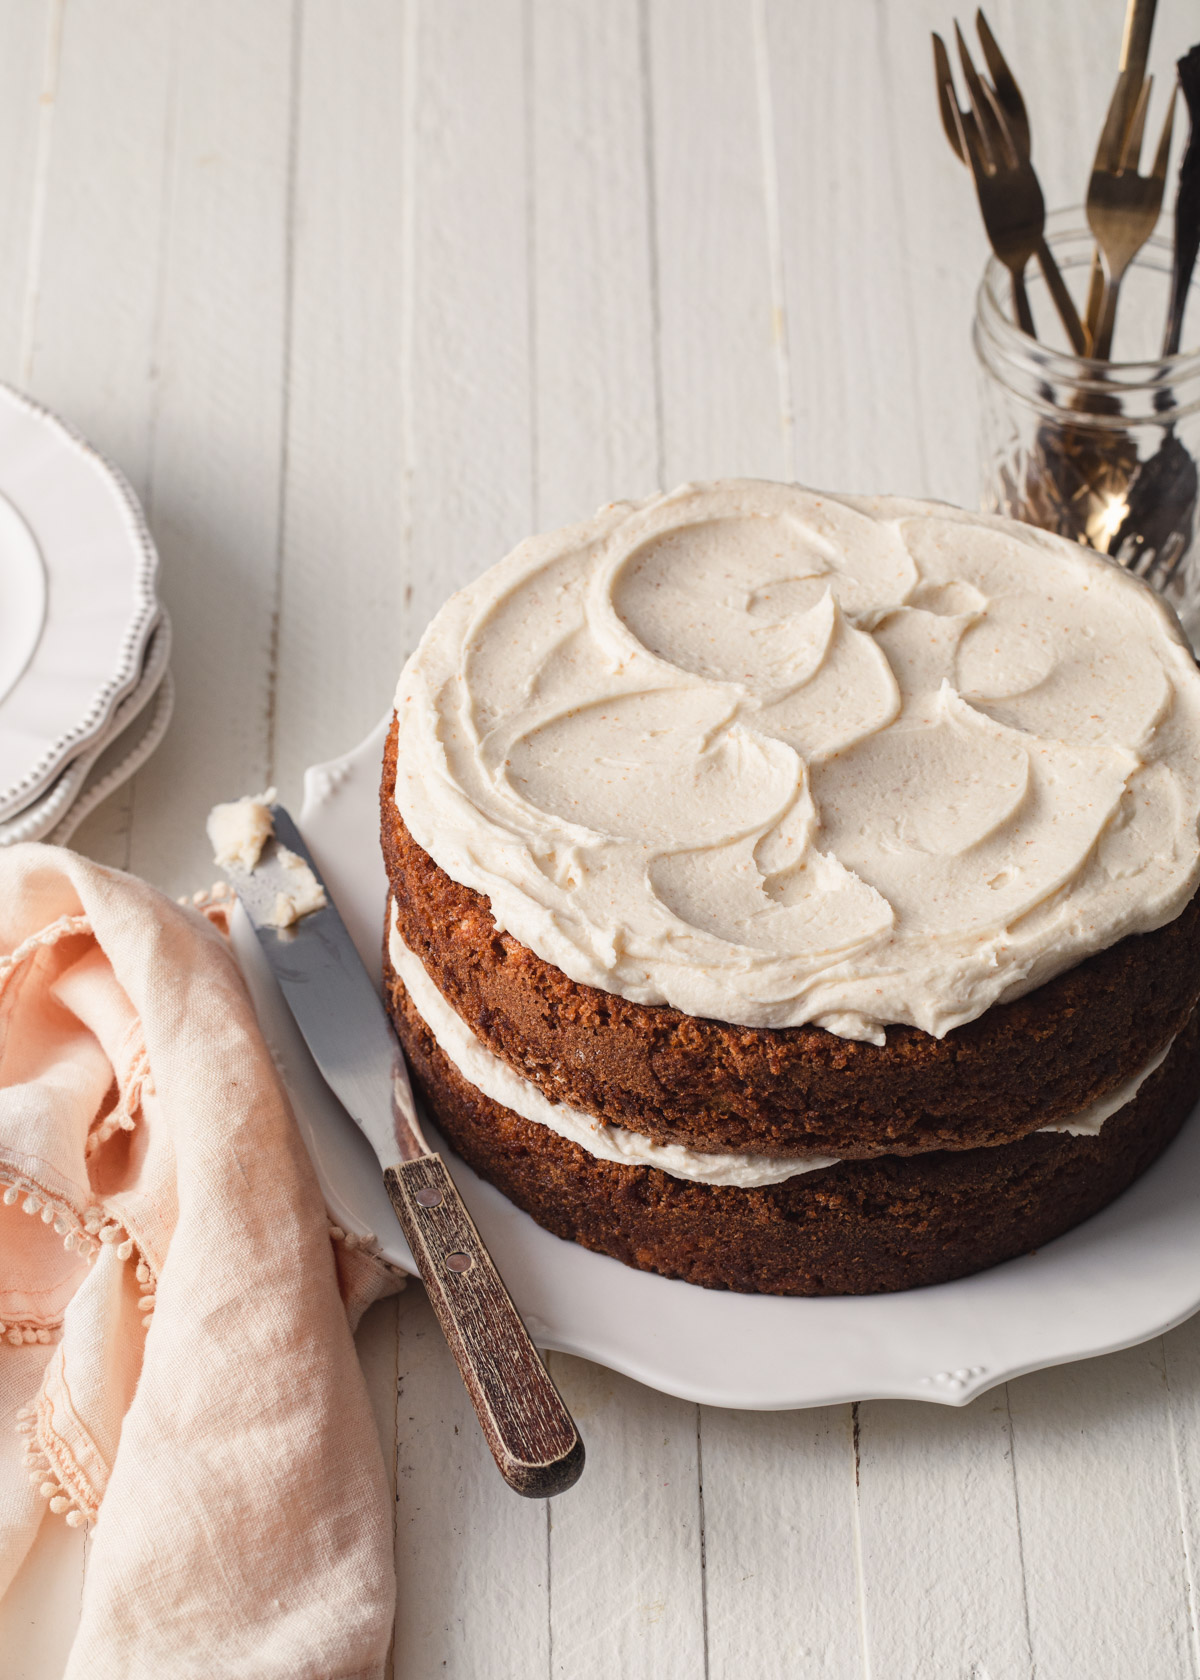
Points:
(85, 693)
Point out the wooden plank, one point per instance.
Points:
(92, 304)
(84, 97)
(471, 1556)
(342, 627)
(213, 490)
(90, 350)
(40, 1611)
(782, 1573)
(718, 320)
(851, 322)
(941, 1544)
(166, 186)
(1088, 1603)
(936, 1512)
(931, 268)
(376, 1342)
(594, 368)
(777, 1491)
(1098, 1493)
(625, 1575)
(470, 405)
(626, 1588)
(28, 87)
(1181, 1365)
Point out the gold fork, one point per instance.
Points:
(1123, 206)
(996, 130)
(1135, 50)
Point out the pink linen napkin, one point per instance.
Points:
(176, 1362)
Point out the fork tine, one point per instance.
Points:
(947, 98)
(1008, 94)
(979, 159)
(1108, 147)
(982, 108)
(1132, 150)
(1159, 172)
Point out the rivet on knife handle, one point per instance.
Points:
(530, 1432)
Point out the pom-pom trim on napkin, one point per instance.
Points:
(85, 1233)
(84, 1236)
(122, 1116)
(64, 928)
(46, 1477)
(367, 1241)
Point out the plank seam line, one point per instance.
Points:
(1189, 1573)
(1012, 1462)
(650, 167)
(780, 338)
(860, 1575)
(394, 1467)
(47, 106)
(408, 286)
(703, 1536)
(408, 82)
(295, 70)
(531, 288)
(549, 1576)
(896, 174)
(166, 216)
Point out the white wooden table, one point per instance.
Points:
(359, 294)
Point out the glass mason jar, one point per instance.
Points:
(1102, 452)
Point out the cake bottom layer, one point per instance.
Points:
(856, 1228)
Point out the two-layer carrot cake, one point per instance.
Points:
(795, 892)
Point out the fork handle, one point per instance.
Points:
(1021, 302)
(1103, 337)
(1063, 301)
(530, 1432)
(1095, 297)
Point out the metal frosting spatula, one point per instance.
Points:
(530, 1432)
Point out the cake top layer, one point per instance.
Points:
(777, 757)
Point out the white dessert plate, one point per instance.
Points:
(1128, 1274)
(122, 756)
(60, 808)
(77, 597)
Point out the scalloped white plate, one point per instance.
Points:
(23, 592)
(109, 758)
(77, 597)
(1128, 1274)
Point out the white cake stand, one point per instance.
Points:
(1129, 1274)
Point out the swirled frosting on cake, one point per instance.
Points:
(776, 757)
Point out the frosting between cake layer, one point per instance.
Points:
(481, 1068)
(487, 1073)
(774, 757)
(1089, 1120)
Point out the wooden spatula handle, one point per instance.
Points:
(531, 1434)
